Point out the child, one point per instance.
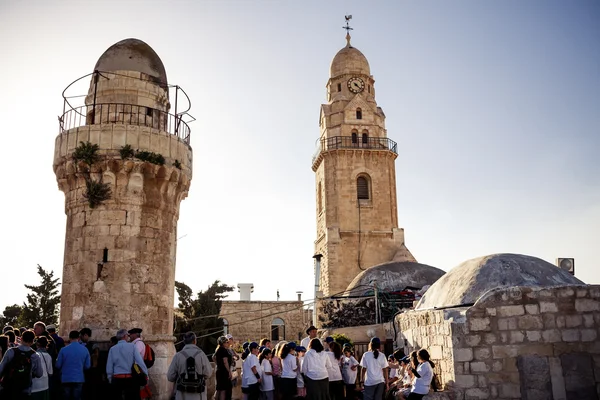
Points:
(301, 392)
(267, 389)
(349, 372)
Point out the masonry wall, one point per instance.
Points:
(252, 320)
(516, 343)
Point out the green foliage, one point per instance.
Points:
(42, 303)
(150, 157)
(87, 152)
(126, 152)
(97, 192)
(11, 315)
(177, 164)
(342, 339)
(200, 314)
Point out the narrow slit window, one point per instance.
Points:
(362, 188)
(339, 86)
(354, 138)
(358, 113)
(365, 138)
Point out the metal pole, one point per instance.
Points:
(317, 257)
(95, 92)
(376, 303)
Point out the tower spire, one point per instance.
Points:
(348, 29)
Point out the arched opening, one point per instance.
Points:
(358, 113)
(277, 329)
(225, 327)
(319, 198)
(354, 138)
(365, 137)
(363, 191)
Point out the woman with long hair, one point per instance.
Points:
(276, 363)
(374, 371)
(267, 388)
(314, 367)
(336, 383)
(223, 360)
(289, 371)
(423, 376)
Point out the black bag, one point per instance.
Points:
(17, 378)
(191, 381)
(139, 376)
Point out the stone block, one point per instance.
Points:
(588, 320)
(588, 335)
(546, 306)
(549, 321)
(479, 366)
(534, 376)
(511, 311)
(436, 352)
(530, 322)
(489, 338)
(463, 355)
(465, 381)
(491, 312)
(482, 353)
(479, 324)
(533, 336)
(477, 393)
(472, 340)
(587, 305)
(556, 378)
(505, 351)
(573, 321)
(510, 391)
(505, 324)
(532, 309)
(570, 335)
(516, 337)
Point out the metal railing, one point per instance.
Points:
(127, 114)
(355, 142)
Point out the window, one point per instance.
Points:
(148, 111)
(339, 87)
(362, 188)
(354, 137)
(358, 113)
(319, 198)
(369, 88)
(277, 329)
(365, 138)
(225, 326)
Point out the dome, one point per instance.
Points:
(393, 276)
(349, 60)
(132, 55)
(471, 279)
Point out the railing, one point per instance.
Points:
(130, 114)
(355, 142)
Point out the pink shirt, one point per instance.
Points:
(276, 366)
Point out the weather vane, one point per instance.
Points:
(347, 27)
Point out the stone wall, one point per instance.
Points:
(252, 320)
(520, 342)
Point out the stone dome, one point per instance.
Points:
(132, 55)
(393, 276)
(466, 283)
(349, 60)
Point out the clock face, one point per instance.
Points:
(356, 85)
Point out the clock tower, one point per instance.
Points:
(357, 215)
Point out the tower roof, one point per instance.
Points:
(349, 60)
(132, 55)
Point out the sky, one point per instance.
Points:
(495, 106)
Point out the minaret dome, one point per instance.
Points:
(349, 60)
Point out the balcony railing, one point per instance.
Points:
(127, 114)
(359, 143)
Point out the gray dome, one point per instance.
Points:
(393, 276)
(132, 55)
(471, 279)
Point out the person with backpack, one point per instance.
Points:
(121, 360)
(72, 361)
(40, 387)
(135, 335)
(189, 370)
(18, 368)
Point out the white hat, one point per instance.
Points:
(51, 326)
(229, 336)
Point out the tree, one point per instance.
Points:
(42, 302)
(11, 315)
(200, 315)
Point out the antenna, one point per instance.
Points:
(347, 28)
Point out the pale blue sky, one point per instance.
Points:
(495, 107)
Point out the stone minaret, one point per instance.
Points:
(357, 216)
(119, 263)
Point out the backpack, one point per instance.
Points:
(191, 381)
(18, 376)
(148, 356)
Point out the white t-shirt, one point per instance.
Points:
(421, 385)
(290, 367)
(334, 372)
(40, 384)
(315, 365)
(374, 367)
(393, 373)
(266, 384)
(248, 377)
(347, 373)
(299, 377)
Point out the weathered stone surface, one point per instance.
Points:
(534, 374)
(578, 372)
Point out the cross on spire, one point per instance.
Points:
(347, 28)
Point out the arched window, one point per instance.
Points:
(362, 188)
(354, 137)
(358, 113)
(225, 326)
(277, 329)
(365, 138)
(319, 198)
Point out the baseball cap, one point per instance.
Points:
(229, 336)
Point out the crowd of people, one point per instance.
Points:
(320, 370)
(38, 364)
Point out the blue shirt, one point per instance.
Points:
(71, 361)
(121, 358)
